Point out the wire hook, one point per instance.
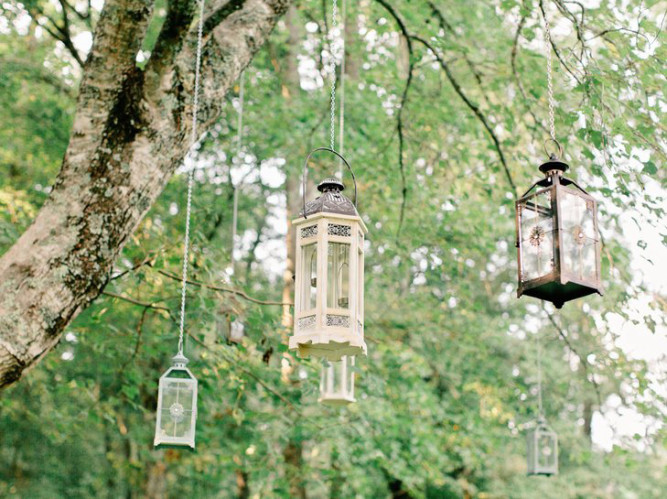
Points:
(305, 173)
(555, 155)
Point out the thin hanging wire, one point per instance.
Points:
(539, 375)
(239, 150)
(193, 140)
(334, 24)
(550, 86)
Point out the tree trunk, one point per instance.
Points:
(131, 130)
(242, 488)
(293, 455)
(156, 483)
(290, 77)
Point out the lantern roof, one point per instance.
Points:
(554, 164)
(553, 170)
(179, 360)
(331, 200)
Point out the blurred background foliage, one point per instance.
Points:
(450, 381)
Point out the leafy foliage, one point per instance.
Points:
(450, 380)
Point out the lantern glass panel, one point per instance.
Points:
(337, 383)
(579, 249)
(176, 409)
(338, 275)
(309, 264)
(360, 290)
(537, 236)
(546, 451)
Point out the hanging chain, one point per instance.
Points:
(239, 150)
(334, 15)
(550, 86)
(341, 124)
(188, 210)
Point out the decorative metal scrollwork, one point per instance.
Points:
(339, 230)
(338, 320)
(310, 231)
(306, 322)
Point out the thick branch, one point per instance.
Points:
(130, 133)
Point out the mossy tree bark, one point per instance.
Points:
(131, 130)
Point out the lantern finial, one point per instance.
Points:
(554, 166)
(179, 360)
(331, 184)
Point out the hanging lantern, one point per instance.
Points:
(329, 287)
(542, 452)
(557, 238)
(176, 406)
(337, 383)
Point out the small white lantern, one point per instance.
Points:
(337, 383)
(176, 406)
(542, 453)
(329, 280)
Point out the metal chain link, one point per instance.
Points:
(341, 120)
(550, 86)
(188, 210)
(334, 14)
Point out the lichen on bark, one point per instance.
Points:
(131, 130)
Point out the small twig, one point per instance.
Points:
(137, 302)
(222, 289)
(515, 72)
(399, 116)
(146, 261)
(583, 361)
(137, 344)
(557, 52)
(245, 371)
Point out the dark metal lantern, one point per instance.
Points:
(557, 238)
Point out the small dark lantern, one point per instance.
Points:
(557, 238)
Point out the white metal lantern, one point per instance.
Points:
(176, 406)
(337, 383)
(542, 452)
(329, 280)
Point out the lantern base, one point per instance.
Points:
(542, 473)
(324, 347)
(187, 446)
(337, 401)
(556, 292)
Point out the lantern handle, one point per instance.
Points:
(556, 155)
(305, 171)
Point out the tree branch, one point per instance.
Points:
(557, 52)
(583, 361)
(399, 116)
(473, 107)
(515, 73)
(222, 289)
(130, 132)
